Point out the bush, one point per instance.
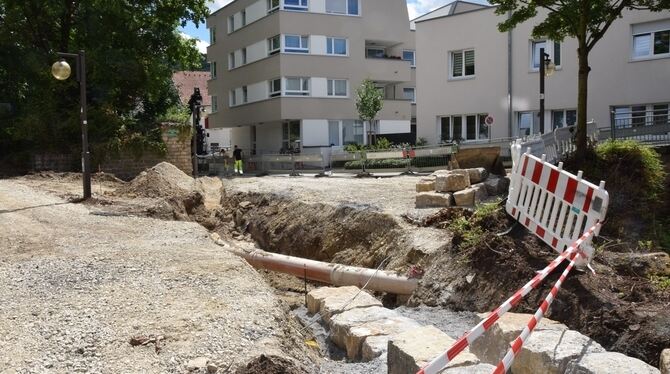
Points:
(393, 163)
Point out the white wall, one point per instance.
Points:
(256, 11)
(257, 51)
(393, 127)
(319, 87)
(314, 132)
(317, 44)
(269, 137)
(221, 136)
(257, 91)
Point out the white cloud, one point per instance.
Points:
(215, 5)
(201, 45)
(419, 7)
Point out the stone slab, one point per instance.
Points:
(664, 362)
(465, 197)
(480, 192)
(329, 301)
(425, 186)
(433, 200)
(477, 175)
(609, 363)
(382, 329)
(452, 182)
(341, 324)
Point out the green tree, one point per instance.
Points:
(132, 48)
(585, 20)
(369, 102)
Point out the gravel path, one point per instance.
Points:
(74, 293)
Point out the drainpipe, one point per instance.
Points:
(510, 112)
(335, 274)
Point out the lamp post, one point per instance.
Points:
(61, 71)
(547, 68)
(195, 104)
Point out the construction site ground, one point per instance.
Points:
(83, 279)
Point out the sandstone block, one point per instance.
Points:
(329, 301)
(452, 182)
(477, 174)
(480, 192)
(409, 351)
(664, 362)
(433, 200)
(465, 197)
(609, 363)
(342, 323)
(381, 329)
(427, 186)
(494, 186)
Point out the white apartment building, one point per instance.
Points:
(285, 72)
(470, 70)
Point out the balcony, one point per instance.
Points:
(388, 70)
(396, 110)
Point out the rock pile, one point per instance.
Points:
(461, 187)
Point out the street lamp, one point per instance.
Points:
(61, 71)
(547, 69)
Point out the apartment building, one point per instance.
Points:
(285, 72)
(470, 70)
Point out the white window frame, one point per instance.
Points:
(212, 35)
(649, 117)
(463, 136)
(298, 50)
(650, 55)
(271, 91)
(564, 112)
(231, 23)
(330, 88)
(215, 105)
(303, 82)
(464, 74)
(551, 51)
(243, 16)
(244, 56)
(245, 95)
(271, 50)
(346, 6)
(413, 99)
(231, 61)
(212, 69)
(271, 8)
(303, 6)
(232, 100)
(413, 60)
(330, 43)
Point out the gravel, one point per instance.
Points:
(77, 287)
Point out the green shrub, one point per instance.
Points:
(393, 163)
(382, 144)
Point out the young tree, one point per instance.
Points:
(369, 102)
(585, 20)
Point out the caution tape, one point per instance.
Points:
(439, 362)
(516, 345)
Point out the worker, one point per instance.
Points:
(237, 155)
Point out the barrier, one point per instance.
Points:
(552, 203)
(441, 361)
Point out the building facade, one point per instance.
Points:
(470, 70)
(285, 72)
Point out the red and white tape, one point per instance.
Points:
(515, 346)
(439, 362)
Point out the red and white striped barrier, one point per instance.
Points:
(515, 347)
(553, 204)
(439, 362)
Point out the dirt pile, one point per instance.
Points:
(162, 180)
(620, 306)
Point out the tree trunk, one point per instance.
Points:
(582, 94)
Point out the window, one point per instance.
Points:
(245, 95)
(231, 60)
(300, 5)
(656, 43)
(337, 87)
(273, 45)
(470, 127)
(291, 135)
(244, 56)
(528, 123)
(641, 115)
(483, 127)
(409, 56)
(334, 133)
(408, 93)
(212, 35)
(463, 64)
(352, 132)
(562, 118)
(231, 24)
(233, 99)
(372, 52)
(336, 46)
(342, 7)
(296, 43)
(445, 128)
(553, 49)
(212, 69)
(243, 14)
(215, 106)
(297, 86)
(273, 5)
(660, 114)
(274, 87)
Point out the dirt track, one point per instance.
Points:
(77, 287)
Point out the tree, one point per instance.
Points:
(585, 20)
(132, 48)
(369, 102)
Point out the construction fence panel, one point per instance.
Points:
(431, 158)
(393, 160)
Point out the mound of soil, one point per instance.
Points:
(619, 306)
(271, 365)
(162, 180)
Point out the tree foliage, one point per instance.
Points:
(132, 48)
(585, 20)
(369, 100)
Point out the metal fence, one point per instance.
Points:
(646, 125)
(394, 160)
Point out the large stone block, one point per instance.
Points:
(342, 323)
(411, 350)
(465, 197)
(664, 362)
(381, 329)
(496, 185)
(550, 351)
(480, 192)
(425, 186)
(329, 301)
(452, 182)
(608, 363)
(477, 174)
(433, 200)
(493, 345)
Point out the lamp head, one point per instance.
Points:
(61, 70)
(549, 68)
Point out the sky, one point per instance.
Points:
(414, 8)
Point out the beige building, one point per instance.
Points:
(470, 70)
(285, 72)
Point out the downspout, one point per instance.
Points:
(510, 113)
